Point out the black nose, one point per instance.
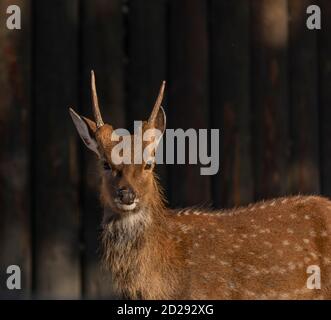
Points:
(126, 195)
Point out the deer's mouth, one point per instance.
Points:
(126, 207)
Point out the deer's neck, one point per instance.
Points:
(133, 247)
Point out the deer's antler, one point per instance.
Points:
(157, 104)
(96, 109)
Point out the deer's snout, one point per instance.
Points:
(126, 195)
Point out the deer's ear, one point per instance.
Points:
(86, 129)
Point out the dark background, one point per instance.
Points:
(248, 67)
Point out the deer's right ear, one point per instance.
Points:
(86, 129)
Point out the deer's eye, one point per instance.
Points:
(106, 166)
(148, 165)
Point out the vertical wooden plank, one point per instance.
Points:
(102, 42)
(147, 54)
(188, 92)
(230, 100)
(57, 255)
(324, 46)
(15, 70)
(304, 173)
(270, 97)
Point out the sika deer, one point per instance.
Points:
(261, 251)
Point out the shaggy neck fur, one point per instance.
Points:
(133, 246)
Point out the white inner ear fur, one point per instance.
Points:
(84, 132)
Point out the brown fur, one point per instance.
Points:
(257, 252)
(261, 251)
(235, 254)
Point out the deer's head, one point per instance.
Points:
(126, 187)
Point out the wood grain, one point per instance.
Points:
(56, 239)
(188, 94)
(230, 101)
(15, 117)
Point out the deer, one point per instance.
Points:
(265, 250)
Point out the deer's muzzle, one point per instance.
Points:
(126, 196)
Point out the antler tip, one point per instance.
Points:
(92, 76)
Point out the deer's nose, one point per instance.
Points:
(126, 195)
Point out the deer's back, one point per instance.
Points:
(257, 252)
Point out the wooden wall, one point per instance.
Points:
(248, 67)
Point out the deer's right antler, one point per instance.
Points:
(96, 109)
